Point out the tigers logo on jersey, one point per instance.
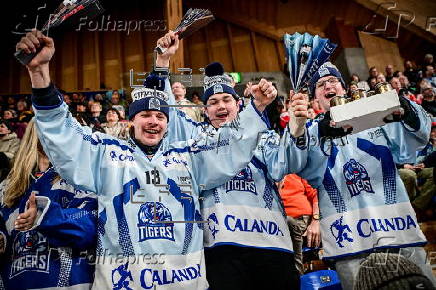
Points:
(357, 178)
(155, 222)
(243, 181)
(30, 252)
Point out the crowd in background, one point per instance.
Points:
(102, 112)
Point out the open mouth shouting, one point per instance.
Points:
(222, 115)
(330, 95)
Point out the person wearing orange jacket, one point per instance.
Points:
(301, 206)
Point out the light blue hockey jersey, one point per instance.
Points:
(57, 251)
(149, 221)
(362, 200)
(246, 210)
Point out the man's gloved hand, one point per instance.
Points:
(326, 130)
(406, 114)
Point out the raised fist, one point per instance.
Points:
(264, 93)
(298, 114)
(33, 41)
(170, 43)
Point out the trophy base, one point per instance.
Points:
(366, 113)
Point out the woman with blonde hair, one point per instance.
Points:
(46, 225)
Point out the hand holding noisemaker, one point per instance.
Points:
(192, 21)
(70, 14)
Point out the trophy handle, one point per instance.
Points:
(160, 49)
(303, 90)
(24, 58)
(392, 118)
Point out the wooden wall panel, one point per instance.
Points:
(173, 13)
(14, 79)
(244, 54)
(196, 47)
(24, 79)
(111, 60)
(268, 60)
(133, 55)
(68, 44)
(380, 52)
(219, 43)
(88, 65)
(150, 36)
(6, 80)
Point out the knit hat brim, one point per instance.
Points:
(219, 89)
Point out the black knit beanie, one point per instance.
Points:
(390, 271)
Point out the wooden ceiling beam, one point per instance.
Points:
(383, 12)
(268, 30)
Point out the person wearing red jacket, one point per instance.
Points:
(301, 206)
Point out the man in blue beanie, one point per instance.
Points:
(149, 101)
(363, 203)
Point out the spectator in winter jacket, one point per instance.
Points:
(9, 141)
(301, 206)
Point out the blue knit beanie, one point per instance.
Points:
(216, 82)
(326, 69)
(151, 97)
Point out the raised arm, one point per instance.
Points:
(180, 126)
(217, 162)
(38, 68)
(75, 151)
(289, 153)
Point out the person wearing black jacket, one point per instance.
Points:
(429, 102)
